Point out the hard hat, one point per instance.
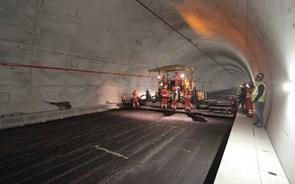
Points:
(260, 76)
(250, 83)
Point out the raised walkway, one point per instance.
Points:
(249, 157)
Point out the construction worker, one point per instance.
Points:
(135, 98)
(194, 96)
(258, 98)
(233, 102)
(174, 98)
(248, 97)
(164, 80)
(200, 95)
(148, 95)
(187, 96)
(176, 78)
(241, 96)
(165, 95)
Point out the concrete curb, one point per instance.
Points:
(41, 117)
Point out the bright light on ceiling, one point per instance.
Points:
(290, 86)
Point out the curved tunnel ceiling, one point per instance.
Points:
(213, 36)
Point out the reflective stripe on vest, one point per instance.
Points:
(175, 95)
(255, 92)
(164, 93)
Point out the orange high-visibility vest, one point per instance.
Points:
(164, 93)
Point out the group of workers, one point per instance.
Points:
(251, 95)
(175, 97)
(165, 95)
(248, 96)
(244, 93)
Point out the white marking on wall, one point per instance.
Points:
(111, 152)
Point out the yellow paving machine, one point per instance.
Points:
(181, 76)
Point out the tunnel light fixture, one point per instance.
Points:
(182, 75)
(290, 87)
(159, 77)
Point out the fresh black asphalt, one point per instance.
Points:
(117, 146)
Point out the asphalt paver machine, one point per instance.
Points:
(181, 77)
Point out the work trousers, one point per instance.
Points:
(135, 102)
(243, 105)
(188, 104)
(164, 102)
(250, 107)
(174, 104)
(259, 106)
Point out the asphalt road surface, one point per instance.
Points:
(118, 146)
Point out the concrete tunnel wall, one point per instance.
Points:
(226, 42)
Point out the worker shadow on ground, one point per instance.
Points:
(168, 113)
(197, 118)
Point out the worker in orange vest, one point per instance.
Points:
(187, 96)
(248, 98)
(164, 80)
(135, 98)
(165, 95)
(176, 78)
(174, 98)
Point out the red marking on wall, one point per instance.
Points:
(73, 70)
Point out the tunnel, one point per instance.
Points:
(89, 53)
